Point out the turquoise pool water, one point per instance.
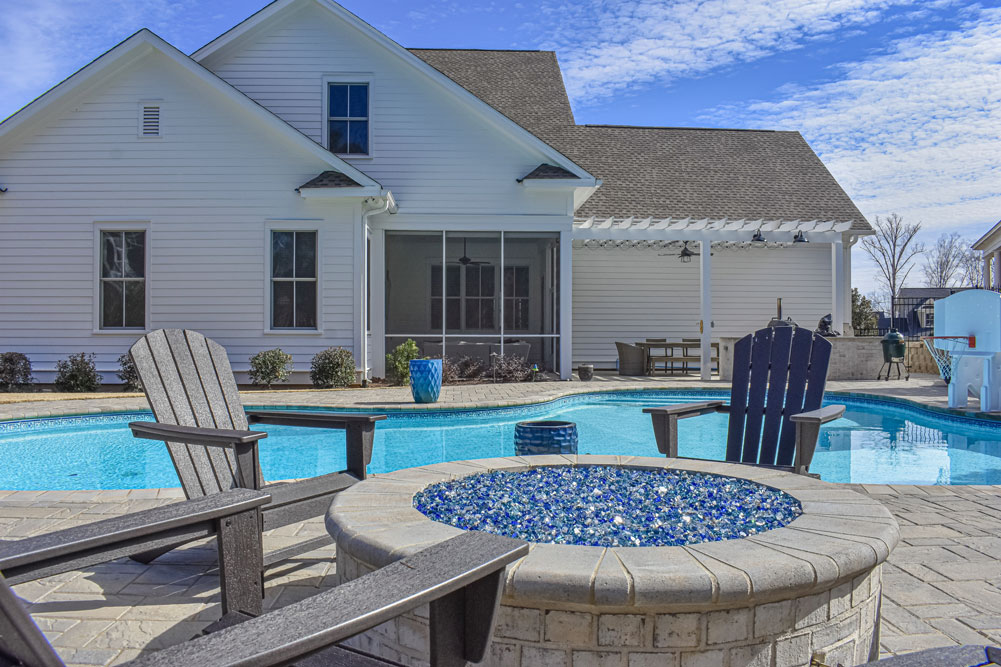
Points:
(877, 442)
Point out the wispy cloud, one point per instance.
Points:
(44, 41)
(913, 130)
(608, 47)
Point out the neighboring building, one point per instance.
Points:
(989, 246)
(303, 181)
(915, 308)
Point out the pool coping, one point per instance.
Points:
(840, 535)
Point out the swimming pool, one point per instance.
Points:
(876, 442)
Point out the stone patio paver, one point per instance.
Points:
(942, 586)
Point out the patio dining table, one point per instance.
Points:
(669, 356)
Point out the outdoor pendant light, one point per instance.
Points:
(757, 238)
(800, 237)
(686, 255)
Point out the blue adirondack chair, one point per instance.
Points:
(775, 413)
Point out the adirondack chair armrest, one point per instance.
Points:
(665, 421)
(808, 431)
(360, 430)
(100, 541)
(339, 420)
(194, 435)
(461, 578)
(828, 413)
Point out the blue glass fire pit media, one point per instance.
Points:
(608, 506)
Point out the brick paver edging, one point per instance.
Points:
(781, 595)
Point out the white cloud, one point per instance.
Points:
(912, 131)
(607, 47)
(44, 41)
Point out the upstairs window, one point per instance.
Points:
(347, 118)
(123, 280)
(293, 280)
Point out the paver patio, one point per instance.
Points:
(942, 585)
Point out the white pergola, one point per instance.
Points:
(705, 232)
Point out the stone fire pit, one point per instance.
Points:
(774, 597)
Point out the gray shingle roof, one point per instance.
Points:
(548, 171)
(330, 179)
(704, 173)
(653, 171)
(525, 86)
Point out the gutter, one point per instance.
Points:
(387, 205)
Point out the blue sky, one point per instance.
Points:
(901, 98)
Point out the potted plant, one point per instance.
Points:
(425, 380)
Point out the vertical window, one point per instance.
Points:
(470, 297)
(123, 280)
(293, 280)
(516, 298)
(347, 118)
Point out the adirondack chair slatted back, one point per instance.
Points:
(21, 641)
(777, 372)
(188, 382)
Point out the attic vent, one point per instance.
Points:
(149, 120)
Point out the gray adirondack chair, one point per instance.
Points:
(775, 409)
(191, 390)
(460, 579)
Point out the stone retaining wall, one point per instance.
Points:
(774, 599)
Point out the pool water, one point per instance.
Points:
(876, 442)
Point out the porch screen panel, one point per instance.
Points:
(414, 290)
(531, 297)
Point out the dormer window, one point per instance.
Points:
(347, 118)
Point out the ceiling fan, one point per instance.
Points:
(465, 260)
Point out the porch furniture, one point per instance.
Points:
(775, 401)
(696, 343)
(193, 395)
(460, 579)
(658, 354)
(233, 517)
(632, 359)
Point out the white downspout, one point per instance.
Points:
(387, 205)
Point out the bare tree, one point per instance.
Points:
(970, 268)
(944, 260)
(893, 249)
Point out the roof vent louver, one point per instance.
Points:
(149, 120)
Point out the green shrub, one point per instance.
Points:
(333, 367)
(398, 362)
(128, 374)
(15, 372)
(269, 367)
(77, 373)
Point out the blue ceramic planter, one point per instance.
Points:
(545, 437)
(425, 380)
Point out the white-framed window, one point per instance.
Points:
(347, 122)
(293, 279)
(122, 293)
(470, 297)
(517, 298)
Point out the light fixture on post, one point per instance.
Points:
(800, 237)
(757, 238)
(686, 255)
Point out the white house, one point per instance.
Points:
(303, 182)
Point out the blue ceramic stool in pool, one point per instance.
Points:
(545, 437)
(425, 380)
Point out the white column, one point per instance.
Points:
(566, 305)
(996, 283)
(378, 272)
(837, 285)
(846, 301)
(706, 325)
(985, 272)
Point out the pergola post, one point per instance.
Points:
(706, 313)
(837, 285)
(985, 272)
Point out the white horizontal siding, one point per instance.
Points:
(630, 294)
(428, 147)
(207, 189)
